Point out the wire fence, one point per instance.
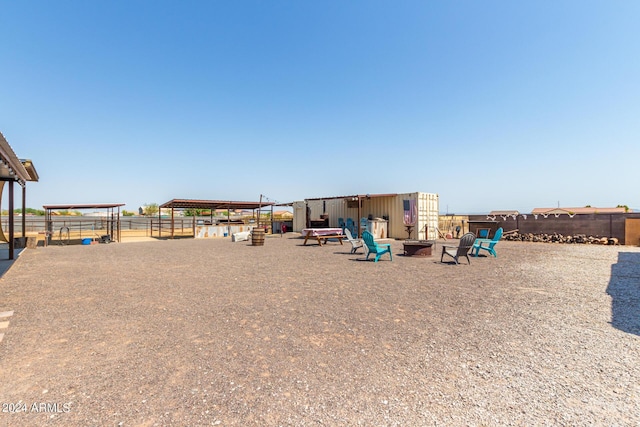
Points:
(38, 224)
(82, 226)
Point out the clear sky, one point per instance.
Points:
(491, 104)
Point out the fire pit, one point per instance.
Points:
(418, 248)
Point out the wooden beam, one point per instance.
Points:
(11, 223)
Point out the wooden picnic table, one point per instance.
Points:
(321, 234)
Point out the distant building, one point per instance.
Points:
(283, 214)
(577, 211)
(503, 213)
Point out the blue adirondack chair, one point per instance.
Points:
(351, 226)
(490, 244)
(483, 233)
(378, 249)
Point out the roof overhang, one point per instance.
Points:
(31, 169)
(11, 168)
(354, 196)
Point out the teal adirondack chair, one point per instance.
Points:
(378, 249)
(490, 244)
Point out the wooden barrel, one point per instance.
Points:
(257, 237)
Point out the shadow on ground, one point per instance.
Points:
(5, 262)
(624, 289)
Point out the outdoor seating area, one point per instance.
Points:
(467, 245)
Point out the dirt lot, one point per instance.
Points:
(210, 332)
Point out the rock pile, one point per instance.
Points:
(559, 238)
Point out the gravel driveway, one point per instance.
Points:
(210, 332)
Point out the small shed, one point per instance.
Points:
(385, 215)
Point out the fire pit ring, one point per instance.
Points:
(418, 248)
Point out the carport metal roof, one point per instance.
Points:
(212, 204)
(84, 206)
(207, 204)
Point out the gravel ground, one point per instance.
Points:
(210, 332)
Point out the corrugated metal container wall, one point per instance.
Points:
(315, 209)
(299, 216)
(393, 207)
(335, 208)
(377, 207)
(397, 228)
(428, 215)
(427, 204)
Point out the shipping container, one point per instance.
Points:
(385, 212)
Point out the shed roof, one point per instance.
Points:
(213, 204)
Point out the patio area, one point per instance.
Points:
(210, 332)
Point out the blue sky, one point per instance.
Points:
(492, 104)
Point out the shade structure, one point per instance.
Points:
(14, 170)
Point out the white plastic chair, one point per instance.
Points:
(355, 243)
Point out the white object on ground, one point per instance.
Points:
(241, 236)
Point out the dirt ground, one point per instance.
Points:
(210, 332)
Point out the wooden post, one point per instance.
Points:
(24, 213)
(47, 226)
(11, 232)
(359, 215)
